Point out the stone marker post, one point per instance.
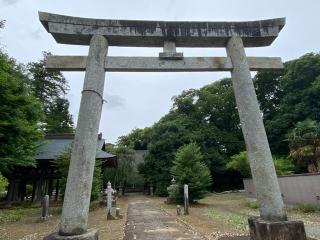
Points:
(178, 210)
(151, 189)
(75, 209)
(117, 213)
(109, 200)
(186, 199)
(45, 208)
(120, 192)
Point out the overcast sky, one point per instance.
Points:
(137, 100)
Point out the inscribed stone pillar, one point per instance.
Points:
(45, 208)
(186, 199)
(151, 189)
(78, 189)
(260, 159)
(109, 199)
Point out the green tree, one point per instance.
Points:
(58, 118)
(137, 139)
(289, 97)
(62, 164)
(189, 168)
(207, 116)
(126, 173)
(50, 88)
(3, 185)
(239, 162)
(47, 85)
(304, 144)
(283, 166)
(20, 114)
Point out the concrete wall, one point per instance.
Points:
(299, 188)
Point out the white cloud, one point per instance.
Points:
(114, 101)
(10, 2)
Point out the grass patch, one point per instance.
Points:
(14, 214)
(252, 204)
(306, 208)
(233, 219)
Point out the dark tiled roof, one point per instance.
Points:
(55, 145)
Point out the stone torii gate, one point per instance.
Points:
(234, 36)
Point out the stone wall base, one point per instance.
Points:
(284, 230)
(91, 234)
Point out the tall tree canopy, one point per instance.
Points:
(289, 97)
(304, 144)
(46, 85)
(20, 113)
(50, 88)
(209, 118)
(58, 118)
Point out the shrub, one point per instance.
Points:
(252, 204)
(306, 208)
(188, 168)
(175, 192)
(240, 163)
(161, 189)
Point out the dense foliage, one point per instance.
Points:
(20, 114)
(50, 88)
(189, 168)
(62, 164)
(209, 118)
(240, 162)
(32, 104)
(126, 174)
(304, 144)
(289, 97)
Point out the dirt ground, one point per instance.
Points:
(221, 216)
(30, 228)
(217, 217)
(147, 221)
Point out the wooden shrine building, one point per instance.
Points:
(44, 178)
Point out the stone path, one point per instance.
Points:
(146, 221)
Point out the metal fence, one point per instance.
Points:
(295, 189)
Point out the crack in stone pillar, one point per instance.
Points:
(79, 183)
(260, 158)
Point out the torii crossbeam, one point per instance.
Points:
(234, 36)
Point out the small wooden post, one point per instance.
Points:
(186, 199)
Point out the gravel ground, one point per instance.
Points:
(146, 221)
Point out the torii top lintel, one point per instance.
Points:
(128, 33)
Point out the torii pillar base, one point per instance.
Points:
(91, 234)
(282, 230)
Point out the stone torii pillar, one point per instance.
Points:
(273, 224)
(76, 203)
(260, 158)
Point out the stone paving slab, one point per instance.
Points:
(146, 221)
